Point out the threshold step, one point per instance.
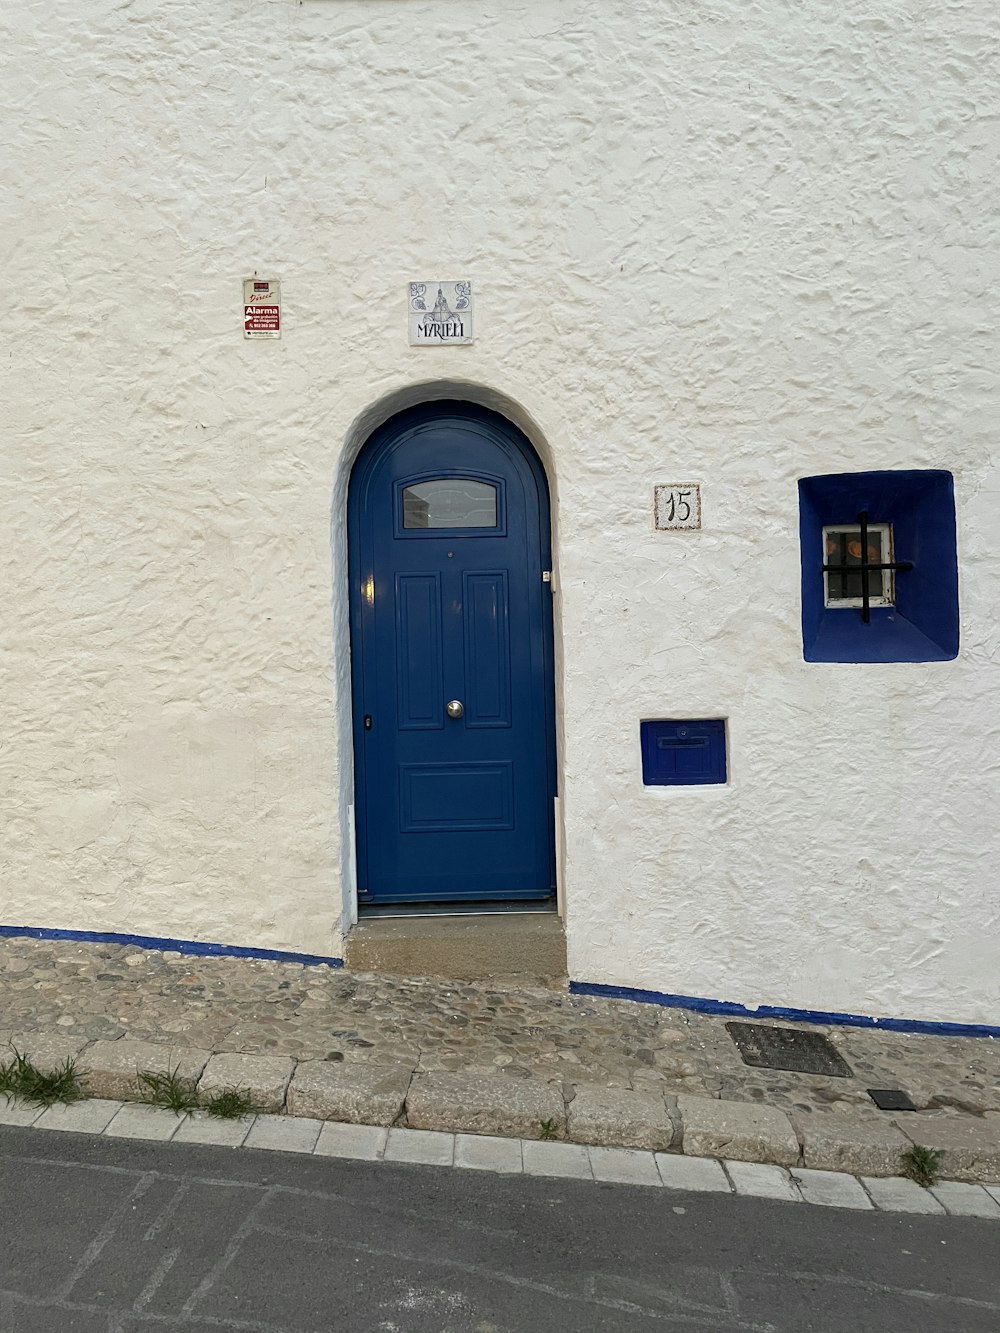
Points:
(477, 947)
(518, 907)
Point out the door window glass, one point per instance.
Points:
(450, 502)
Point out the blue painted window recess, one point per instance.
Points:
(879, 567)
(683, 754)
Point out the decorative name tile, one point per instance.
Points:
(440, 312)
(677, 506)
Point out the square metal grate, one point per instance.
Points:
(891, 1099)
(788, 1048)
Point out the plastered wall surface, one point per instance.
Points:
(736, 242)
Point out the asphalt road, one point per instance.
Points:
(118, 1236)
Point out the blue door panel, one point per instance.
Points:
(451, 807)
(487, 650)
(419, 698)
(464, 797)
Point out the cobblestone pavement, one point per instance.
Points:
(92, 991)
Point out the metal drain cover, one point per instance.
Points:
(891, 1099)
(788, 1048)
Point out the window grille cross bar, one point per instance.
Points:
(856, 569)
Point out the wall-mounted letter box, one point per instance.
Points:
(681, 754)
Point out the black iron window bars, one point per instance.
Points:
(860, 570)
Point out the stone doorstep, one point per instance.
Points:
(970, 1147)
(524, 948)
(480, 1102)
(359, 1094)
(111, 1068)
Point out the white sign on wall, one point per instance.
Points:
(677, 506)
(439, 313)
(261, 308)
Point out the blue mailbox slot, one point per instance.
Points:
(682, 754)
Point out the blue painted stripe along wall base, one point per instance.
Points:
(733, 1010)
(195, 947)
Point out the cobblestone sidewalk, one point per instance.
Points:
(324, 1026)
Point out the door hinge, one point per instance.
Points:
(368, 721)
(548, 578)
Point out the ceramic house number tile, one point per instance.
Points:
(677, 506)
(439, 313)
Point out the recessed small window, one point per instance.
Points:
(848, 565)
(879, 567)
(450, 502)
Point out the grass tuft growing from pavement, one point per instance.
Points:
(8, 1078)
(167, 1090)
(21, 1077)
(170, 1091)
(921, 1164)
(230, 1104)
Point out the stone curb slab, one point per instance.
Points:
(144, 1122)
(856, 1144)
(111, 1068)
(199, 1127)
(619, 1118)
(739, 1131)
(557, 1159)
(624, 1166)
(91, 1116)
(896, 1194)
(361, 1094)
(264, 1078)
(46, 1050)
(479, 1152)
(429, 1149)
(283, 1133)
(970, 1147)
(965, 1200)
(16, 1112)
(761, 1181)
(482, 1103)
(365, 1143)
(831, 1189)
(692, 1173)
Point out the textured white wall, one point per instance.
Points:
(737, 242)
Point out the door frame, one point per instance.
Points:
(506, 433)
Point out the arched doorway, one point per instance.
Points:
(451, 654)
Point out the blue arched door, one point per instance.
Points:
(451, 647)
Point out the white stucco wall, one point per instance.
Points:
(737, 242)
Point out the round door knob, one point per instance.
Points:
(455, 708)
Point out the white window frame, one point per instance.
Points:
(888, 575)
